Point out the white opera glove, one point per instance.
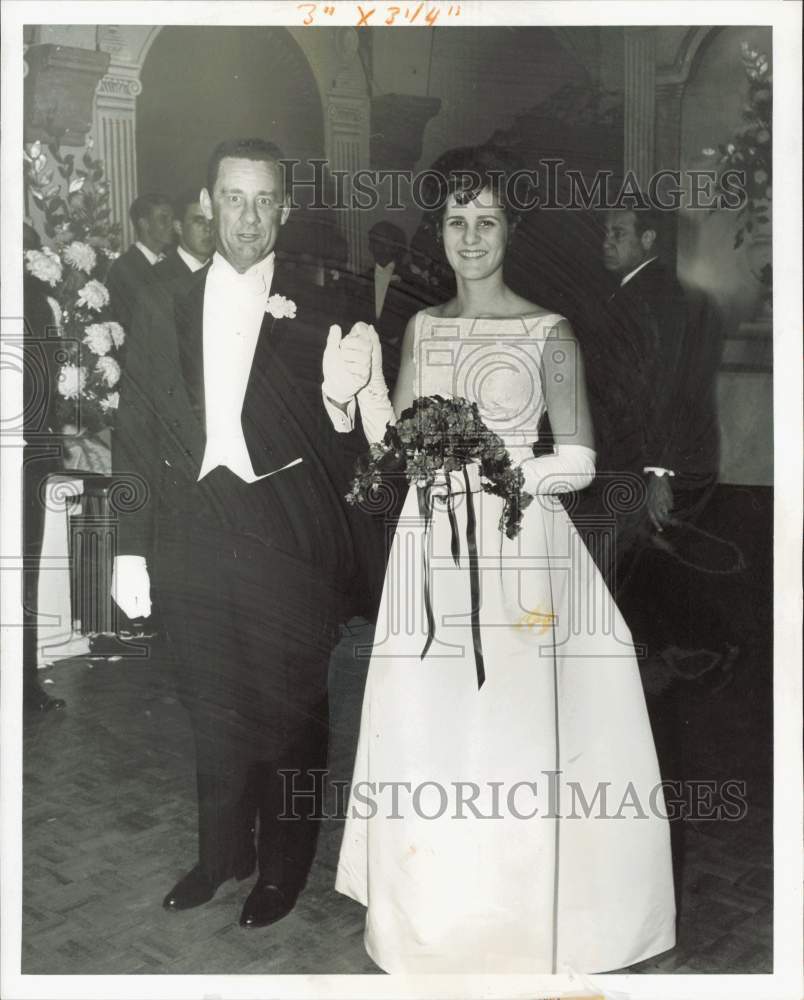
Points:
(347, 362)
(570, 469)
(376, 410)
(131, 586)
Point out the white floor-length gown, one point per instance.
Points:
(561, 859)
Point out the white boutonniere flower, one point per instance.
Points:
(281, 308)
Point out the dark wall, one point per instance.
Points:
(201, 85)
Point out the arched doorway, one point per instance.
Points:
(201, 85)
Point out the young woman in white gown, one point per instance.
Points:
(516, 826)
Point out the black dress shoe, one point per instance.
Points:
(36, 699)
(193, 890)
(265, 905)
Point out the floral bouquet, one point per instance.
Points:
(83, 245)
(750, 149)
(437, 435)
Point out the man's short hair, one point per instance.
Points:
(183, 202)
(143, 205)
(259, 150)
(648, 218)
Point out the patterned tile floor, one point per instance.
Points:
(109, 826)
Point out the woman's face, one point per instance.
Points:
(475, 235)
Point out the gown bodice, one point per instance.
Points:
(496, 363)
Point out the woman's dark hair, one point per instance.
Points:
(465, 172)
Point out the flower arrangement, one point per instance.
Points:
(75, 266)
(437, 435)
(750, 149)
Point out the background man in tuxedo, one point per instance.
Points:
(651, 357)
(151, 215)
(242, 528)
(196, 240)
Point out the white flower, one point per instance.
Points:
(93, 295)
(111, 402)
(279, 307)
(98, 338)
(81, 256)
(117, 333)
(72, 380)
(109, 370)
(55, 308)
(45, 265)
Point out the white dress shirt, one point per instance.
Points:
(636, 270)
(192, 262)
(149, 255)
(382, 279)
(234, 306)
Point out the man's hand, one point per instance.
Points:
(347, 362)
(131, 586)
(660, 500)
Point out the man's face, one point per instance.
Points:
(247, 208)
(195, 232)
(623, 248)
(157, 228)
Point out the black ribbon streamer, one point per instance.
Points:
(426, 511)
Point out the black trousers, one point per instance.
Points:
(252, 628)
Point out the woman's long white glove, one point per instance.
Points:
(570, 469)
(376, 410)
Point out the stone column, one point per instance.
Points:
(115, 143)
(640, 95)
(347, 145)
(668, 148)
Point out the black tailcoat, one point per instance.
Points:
(250, 578)
(127, 277)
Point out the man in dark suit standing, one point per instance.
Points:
(222, 424)
(151, 215)
(651, 357)
(195, 240)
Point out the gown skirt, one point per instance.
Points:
(517, 826)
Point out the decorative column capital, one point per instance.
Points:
(120, 87)
(640, 101)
